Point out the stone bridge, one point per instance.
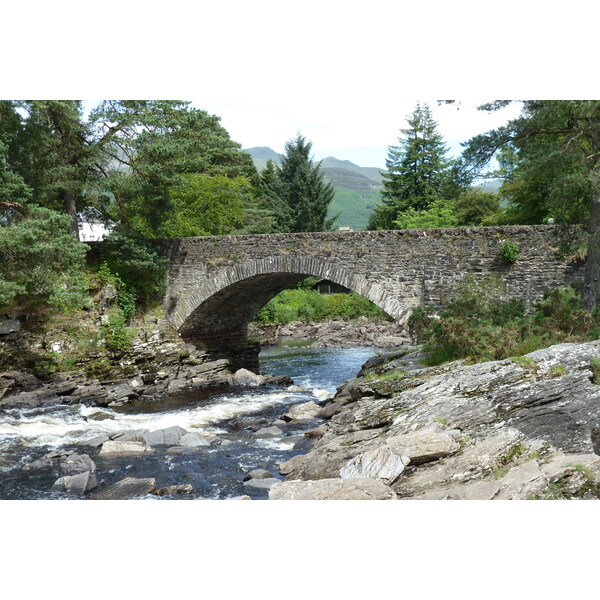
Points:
(215, 285)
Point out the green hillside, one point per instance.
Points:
(357, 189)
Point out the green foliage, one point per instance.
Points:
(309, 305)
(117, 337)
(439, 214)
(207, 205)
(41, 263)
(508, 251)
(137, 264)
(557, 371)
(481, 323)
(475, 207)
(513, 453)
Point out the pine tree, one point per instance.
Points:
(303, 188)
(418, 172)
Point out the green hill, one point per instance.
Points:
(357, 189)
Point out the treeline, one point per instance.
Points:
(144, 169)
(548, 159)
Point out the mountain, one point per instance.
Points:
(357, 189)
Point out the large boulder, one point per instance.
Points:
(243, 377)
(169, 436)
(305, 411)
(76, 484)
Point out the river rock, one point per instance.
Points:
(357, 488)
(422, 447)
(306, 411)
(9, 326)
(117, 448)
(380, 463)
(244, 377)
(168, 436)
(260, 484)
(130, 487)
(13, 382)
(76, 484)
(33, 399)
(192, 440)
(258, 474)
(268, 432)
(94, 442)
(61, 463)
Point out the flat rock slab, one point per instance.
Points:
(422, 447)
(130, 487)
(193, 440)
(117, 448)
(357, 488)
(380, 463)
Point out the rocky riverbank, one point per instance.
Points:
(336, 333)
(523, 428)
(153, 367)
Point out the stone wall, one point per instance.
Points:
(215, 285)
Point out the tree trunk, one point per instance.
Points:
(591, 277)
(71, 210)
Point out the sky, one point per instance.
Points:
(357, 131)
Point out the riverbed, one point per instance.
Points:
(213, 472)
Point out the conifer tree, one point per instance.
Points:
(418, 173)
(303, 188)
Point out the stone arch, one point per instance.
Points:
(216, 313)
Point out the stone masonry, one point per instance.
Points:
(215, 285)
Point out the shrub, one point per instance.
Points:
(481, 323)
(509, 252)
(310, 305)
(117, 337)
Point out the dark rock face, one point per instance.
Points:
(504, 429)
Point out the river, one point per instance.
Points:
(214, 472)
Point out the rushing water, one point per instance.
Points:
(215, 471)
